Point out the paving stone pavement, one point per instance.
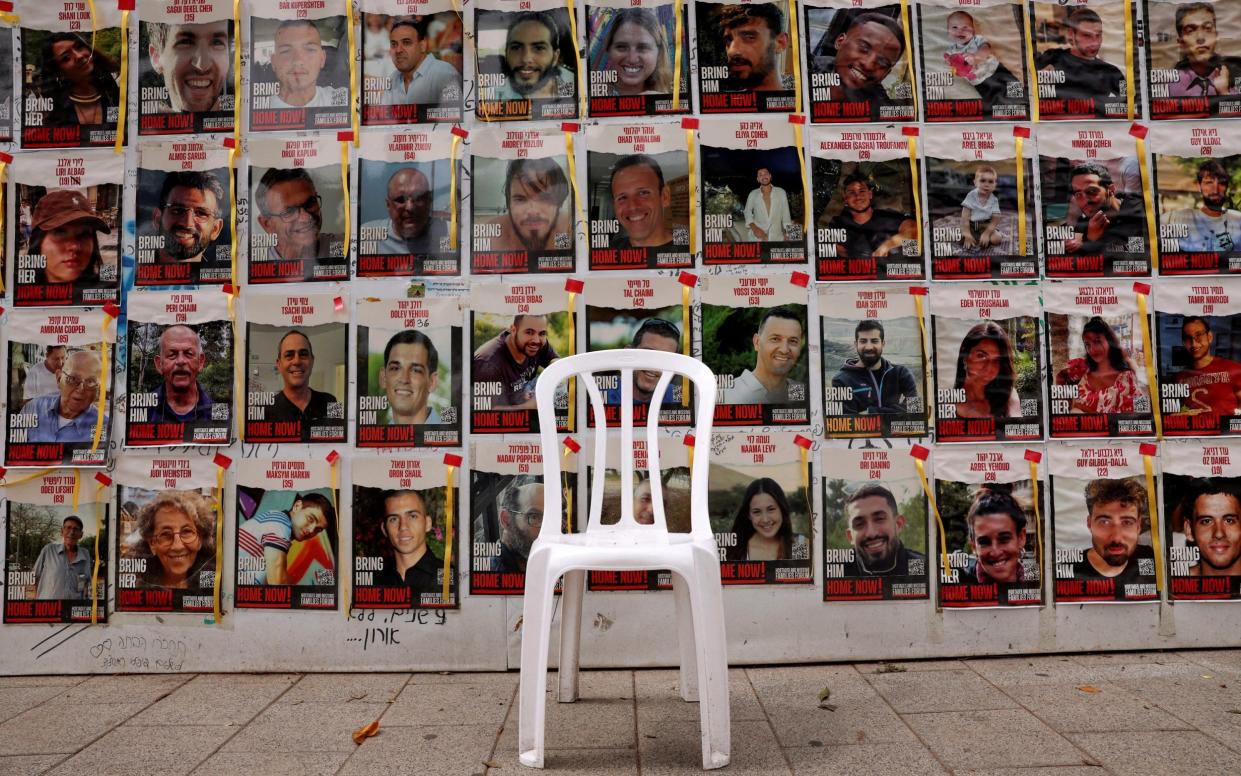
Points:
(1110, 714)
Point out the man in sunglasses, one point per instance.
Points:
(1109, 220)
(188, 218)
(70, 414)
(411, 228)
(291, 210)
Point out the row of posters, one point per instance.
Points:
(973, 61)
(1087, 514)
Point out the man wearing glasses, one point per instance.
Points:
(411, 230)
(188, 218)
(291, 210)
(521, 517)
(408, 377)
(1109, 219)
(405, 524)
(63, 568)
(1214, 382)
(69, 415)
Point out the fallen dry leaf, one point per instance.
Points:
(1090, 688)
(365, 732)
(491, 763)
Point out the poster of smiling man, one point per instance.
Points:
(411, 62)
(185, 214)
(186, 81)
(1199, 359)
(859, 60)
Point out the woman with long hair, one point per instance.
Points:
(81, 82)
(1110, 381)
(637, 51)
(762, 526)
(985, 371)
(65, 232)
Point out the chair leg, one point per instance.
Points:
(707, 598)
(535, 640)
(570, 634)
(688, 679)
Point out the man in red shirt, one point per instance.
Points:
(1214, 382)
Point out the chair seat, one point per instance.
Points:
(627, 555)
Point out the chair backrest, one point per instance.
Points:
(626, 362)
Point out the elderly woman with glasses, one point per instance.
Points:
(985, 371)
(178, 535)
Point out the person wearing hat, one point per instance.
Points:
(65, 234)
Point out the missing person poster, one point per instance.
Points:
(865, 205)
(516, 331)
(973, 60)
(297, 211)
(66, 210)
(640, 193)
(753, 197)
(526, 61)
(631, 57)
(1096, 373)
(1199, 359)
(979, 217)
(185, 214)
(1081, 57)
(186, 81)
(287, 534)
(180, 368)
(1193, 67)
(297, 364)
(988, 350)
(1202, 529)
(411, 62)
(409, 372)
(299, 67)
(643, 313)
(59, 391)
(401, 542)
(506, 501)
(166, 542)
(1094, 205)
(71, 65)
(759, 498)
(1102, 515)
(745, 57)
(754, 338)
(56, 552)
(990, 516)
(874, 351)
(874, 526)
(522, 200)
(404, 204)
(1195, 199)
(666, 489)
(859, 61)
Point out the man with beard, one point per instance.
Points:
(754, 40)
(876, 385)
(531, 62)
(777, 345)
(297, 59)
(1115, 513)
(1109, 219)
(1213, 226)
(869, 231)
(291, 209)
(1214, 382)
(181, 398)
(188, 217)
(418, 79)
(70, 414)
(653, 334)
(1212, 514)
(767, 216)
(406, 523)
(63, 569)
(297, 401)
(521, 517)
(874, 523)
(1201, 72)
(193, 60)
(512, 359)
(410, 228)
(408, 377)
(534, 194)
(865, 53)
(639, 199)
(1085, 76)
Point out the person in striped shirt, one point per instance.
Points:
(268, 535)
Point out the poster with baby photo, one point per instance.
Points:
(1202, 519)
(753, 192)
(1196, 200)
(754, 338)
(639, 196)
(988, 349)
(859, 59)
(300, 58)
(523, 201)
(287, 534)
(185, 214)
(411, 62)
(874, 526)
(57, 547)
(1094, 201)
(632, 57)
(1103, 513)
(865, 205)
(874, 361)
(59, 387)
(186, 81)
(990, 510)
(406, 533)
(526, 61)
(1193, 65)
(973, 60)
(1081, 58)
(980, 200)
(745, 56)
(1097, 361)
(167, 556)
(405, 207)
(1199, 358)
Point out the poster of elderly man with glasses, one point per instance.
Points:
(296, 211)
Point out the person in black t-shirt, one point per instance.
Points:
(1108, 219)
(1085, 75)
(295, 360)
(874, 526)
(513, 359)
(869, 231)
(1116, 512)
(406, 523)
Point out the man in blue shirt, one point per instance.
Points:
(63, 569)
(70, 415)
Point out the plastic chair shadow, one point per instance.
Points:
(626, 545)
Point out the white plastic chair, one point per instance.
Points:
(693, 558)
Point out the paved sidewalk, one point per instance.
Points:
(1158, 713)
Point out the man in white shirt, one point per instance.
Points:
(418, 79)
(43, 378)
(297, 60)
(767, 214)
